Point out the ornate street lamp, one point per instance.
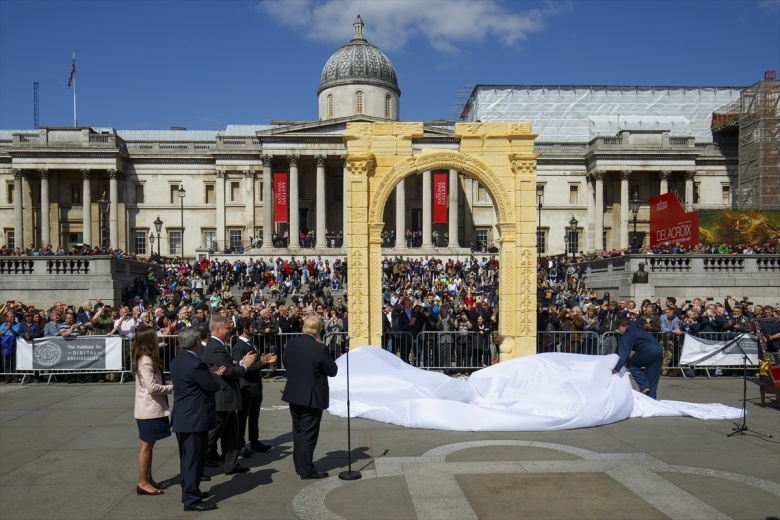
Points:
(634, 204)
(104, 204)
(158, 226)
(182, 193)
(573, 230)
(539, 196)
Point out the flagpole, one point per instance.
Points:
(75, 120)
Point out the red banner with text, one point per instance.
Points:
(439, 198)
(280, 198)
(670, 224)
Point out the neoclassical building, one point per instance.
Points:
(597, 146)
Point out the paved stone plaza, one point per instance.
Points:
(69, 452)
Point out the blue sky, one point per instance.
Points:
(204, 65)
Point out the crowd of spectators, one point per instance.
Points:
(83, 250)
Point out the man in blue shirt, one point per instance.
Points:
(647, 353)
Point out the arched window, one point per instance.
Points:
(388, 107)
(330, 106)
(359, 102)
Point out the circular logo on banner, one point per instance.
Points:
(47, 354)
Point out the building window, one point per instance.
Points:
(330, 106)
(359, 102)
(75, 239)
(211, 196)
(604, 238)
(573, 242)
(482, 195)
(140, 240)
(75, 193)
(235, 238)
(695, 193)
(388, 107)
(174, 242)
(726, 194)
(482, 238)
(574, 195)
(541, 242)
(235, 191)
(210, 239)
(9, 189)
(259, 194)
(175, 193)
(139, 193)
(10, 239)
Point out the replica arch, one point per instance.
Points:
(500, 156)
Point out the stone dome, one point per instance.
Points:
(359, 62)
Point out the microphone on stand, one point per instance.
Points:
(349, 474)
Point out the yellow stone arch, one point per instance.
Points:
(500, 156)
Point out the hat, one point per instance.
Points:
(426, 306)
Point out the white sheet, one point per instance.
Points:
(549, 391)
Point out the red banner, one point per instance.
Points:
(439, 198)
(280, 198)
(670, 224)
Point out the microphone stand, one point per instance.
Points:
(349, 475)
(741, 427)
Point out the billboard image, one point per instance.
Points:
(732, 227)
(670, 224)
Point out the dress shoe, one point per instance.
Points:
(246, 452)
(212, 464)
(159, 486)
(205, 478)
(315, 475)
(200, 506)
(261, 447)
(237, 469)
(204, 494)
(141, 491)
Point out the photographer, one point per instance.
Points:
(463, 343)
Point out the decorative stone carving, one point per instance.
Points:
(320, 159)
(598, 175)
(293, 160)
(664, 175)
(44, 172)
(86, 174)
(625, 175)
(266, 160)
(112, 174)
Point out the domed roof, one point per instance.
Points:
(358, 62)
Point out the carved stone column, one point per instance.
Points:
(321, 225)
(624, 176)
(268, 203)
(113, 211)
(427, 217)
(453, 209)
(249, 189)
(663, 176)
(295, 226)
(400, 214)
(219, 193)
(45, 208)
(18, 209)
(86, 205)
(689, 175)
(598, 229)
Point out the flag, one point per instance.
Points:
(280, 198)
(439, 198)
(72, 71)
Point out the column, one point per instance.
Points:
(113, 209)
(45, 208)
(268, 203)
(320, 227)
(624, 176)
(295, 227)
(344, 231)
(453, 209)
(689, 175)
(18, 209)
(86, 205)
(400, 214)
(590, 233)
(427, 217)
(664, 178)
(249, 208)
(598, 230)
(219, 193)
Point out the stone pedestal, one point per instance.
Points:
(640, 291)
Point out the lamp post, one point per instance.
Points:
(158, 226)
(182, 193)
(573, 230)
(151, 241)
(539, 195)
(634, 204)
(104, 204)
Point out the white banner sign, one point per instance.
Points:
(82, 353)
(707, 353)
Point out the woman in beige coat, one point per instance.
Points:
(151, 406)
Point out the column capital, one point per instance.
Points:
(18, 174)
(113, 174)
(598, 175)
(625, 175)
(266, 160)
(250, 173)
(44, 173)
(689, 175)
(220, 174)
(86, 174)
(293, 160)
(320, 160)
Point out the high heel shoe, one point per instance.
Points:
(141, 491)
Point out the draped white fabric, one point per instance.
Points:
(535, 393)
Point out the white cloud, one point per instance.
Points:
(391, 24)
(771, 6)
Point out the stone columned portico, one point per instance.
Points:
(500, 156)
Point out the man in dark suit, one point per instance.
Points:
(251, 388)
(194, 414)
(408, 321)
(308, 366)
(228, 399)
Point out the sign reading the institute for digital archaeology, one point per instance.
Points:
(82, 353)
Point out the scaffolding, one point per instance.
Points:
(759, 146)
